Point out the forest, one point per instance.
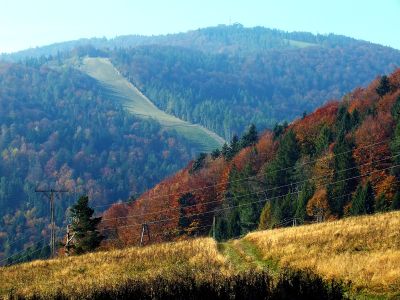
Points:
(59, 130)
(341, 160)
(227, 92)
(226, 77)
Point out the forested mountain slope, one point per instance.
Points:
(62, 126)
(58, 128)
(226, 77)
(343, 159)
(121, 90)
(225, 93)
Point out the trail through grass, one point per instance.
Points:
(243, 255)
(362, 250)
(120, 89)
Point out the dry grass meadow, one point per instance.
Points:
(363, 250)
(95, 271)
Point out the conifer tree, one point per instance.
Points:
(250, 137)
(306, 193)
(363, 200)
(369, 198)
(395, 143)
(84, 226)
(280, 172)
(344, 172)
(381, 204)
(234, 148)
(221, 229)
(358, 205)
(396, 202)
(384, 86)
(323, 140)
(234, 227)
(225, 150)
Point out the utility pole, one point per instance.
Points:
(50, 195)
(213, 226)
(145, 228)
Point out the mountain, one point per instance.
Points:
(354, 258)
(226, 77)
(59, 128)
(340, 160)
(112, 118)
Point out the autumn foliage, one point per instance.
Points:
(185, 203)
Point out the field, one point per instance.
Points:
(138, 104)
(364, 250)
(361, 253)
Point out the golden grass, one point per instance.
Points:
(75, 275)
(364, 250)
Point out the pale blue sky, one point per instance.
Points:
(31, 23)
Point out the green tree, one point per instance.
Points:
(369, 198)
(250, 137)
(233, 148)
(215, 153)
(305, 194)
(396, 202)
(358, 205)
(323, 140)
(363, 200)
(384, 86)
(396, 110)
(225, 150)
(84, 226)
(395, 142)
(381, 204)
(280, 173)
(344, 172)
(221, 229)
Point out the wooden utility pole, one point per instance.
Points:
(50, 195)
(213, 226)
(145, 228)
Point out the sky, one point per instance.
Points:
(31, 23)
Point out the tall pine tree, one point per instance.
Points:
(84, 226)
(344, 172)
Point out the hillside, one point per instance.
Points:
(338, 161)
(226, 77)
(59, 128)
(226, 93)
(97, 134)
(360, 250)
(118, 88)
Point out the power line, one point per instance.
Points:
(254, 176)
(263, 191)
(21, 251)
(248, 203)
